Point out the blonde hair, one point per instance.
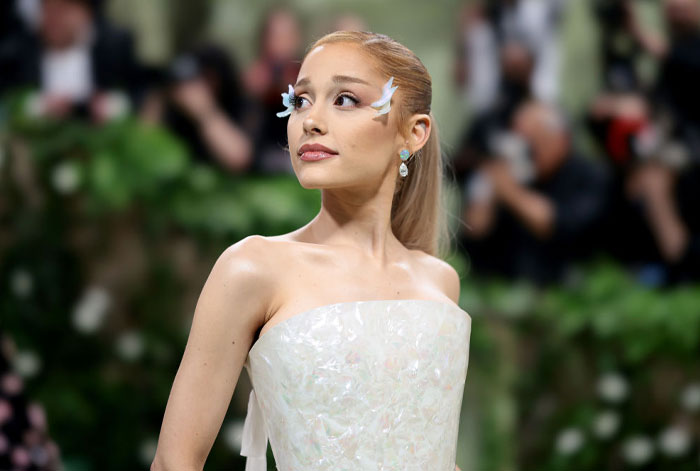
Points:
(418, 218)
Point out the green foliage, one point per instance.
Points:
(564, 346)
(107, 214)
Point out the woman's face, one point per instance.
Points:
(335, 87)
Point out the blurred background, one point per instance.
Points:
(138, 140)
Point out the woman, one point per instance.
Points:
(349, 326)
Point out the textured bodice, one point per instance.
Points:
(361, 385)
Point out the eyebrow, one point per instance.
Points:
(336, 79)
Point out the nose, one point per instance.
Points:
(313, 124)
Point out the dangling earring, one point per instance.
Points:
(403, 169)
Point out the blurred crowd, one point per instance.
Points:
(84, 66)
(534, 199)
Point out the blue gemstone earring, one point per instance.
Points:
(403, 169)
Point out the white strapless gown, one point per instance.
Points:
(359, 386)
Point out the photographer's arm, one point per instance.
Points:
(229, 144)
(231, 307)
(535, 210)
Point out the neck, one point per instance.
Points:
(356, 219)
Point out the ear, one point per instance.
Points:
(419, 129)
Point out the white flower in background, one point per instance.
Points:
(674, 441)
(26, 363)
(606, 424)
(690, 397)
(233, 435)
(569, 441)
(21, 282)
(91, 309)
(612, 387)
(65, 177)
(638, 449)
(116, 105)
(147, 450)
(130, 345)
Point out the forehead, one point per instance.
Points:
(328, 60)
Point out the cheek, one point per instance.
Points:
(364, 138)
(294, 132)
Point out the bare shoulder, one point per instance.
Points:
(246, 271)
(441, 272)
(249, 259)
(253, 248)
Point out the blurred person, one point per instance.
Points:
(536, 205)
(620, 117)
(655, 151)
(667, 201)
(675, 92)
(485, 25)
(205, 105)
(622, 125)
(362, 285)
(678, 100)
(517, 63)
(80, 64)
(276, 65)
(623, 41)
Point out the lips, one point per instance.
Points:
(315, 152)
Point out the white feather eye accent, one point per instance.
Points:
(383, 105)
(288, 101)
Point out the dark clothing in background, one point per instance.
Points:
(687, 194)
(629, 238)
(628, 235)
(189, 131)
(476, 143)
(578, 190)
(10, 22)
(271, 131)
(113, 62)
(619, 50)
(677, 90)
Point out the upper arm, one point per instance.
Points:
(231, 307)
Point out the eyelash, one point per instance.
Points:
(297, 99)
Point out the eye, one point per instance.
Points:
(297, 101)
(346, 95)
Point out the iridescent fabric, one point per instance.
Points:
(359, 386)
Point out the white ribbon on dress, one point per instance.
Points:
(254, 441)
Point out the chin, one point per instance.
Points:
(317, 182)
(317, 179)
